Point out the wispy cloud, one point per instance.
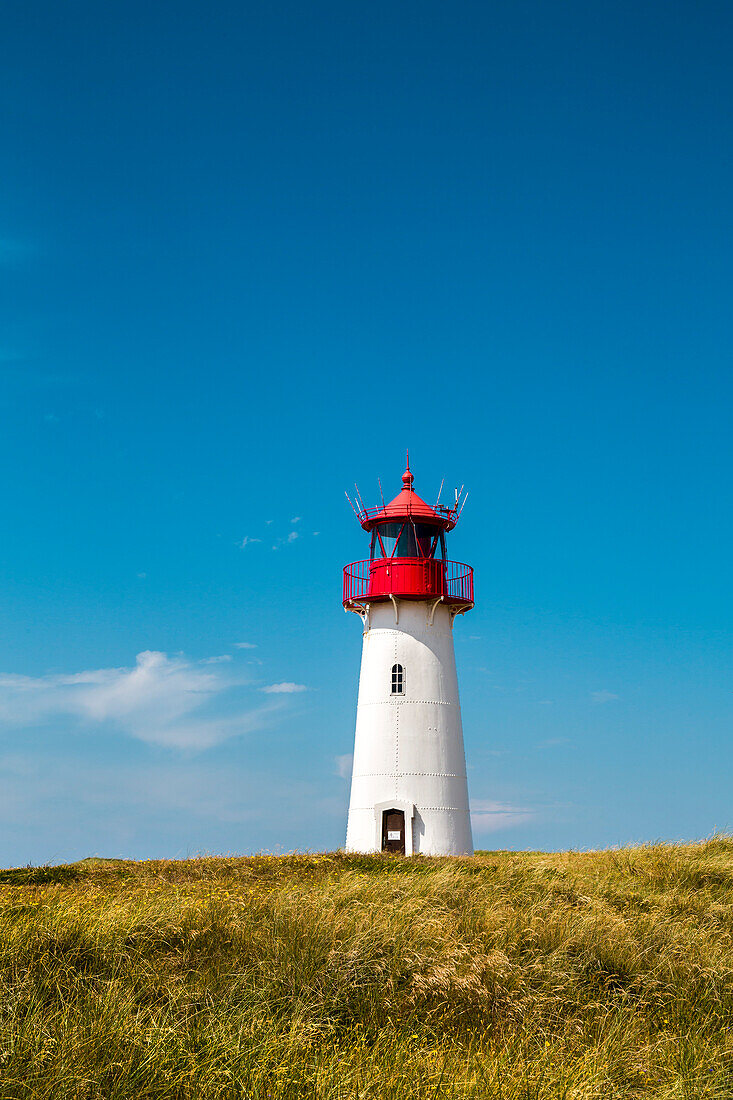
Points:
(491, 817)
(245, 645)
(603, 696)
(170, 701)
(56, 808)
(344, 765)
(285, 688)
(278, 540)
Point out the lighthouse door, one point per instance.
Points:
(393, 831)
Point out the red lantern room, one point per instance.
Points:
(408, 555)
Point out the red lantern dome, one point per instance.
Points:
(408, 556)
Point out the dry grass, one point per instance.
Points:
(508, 975)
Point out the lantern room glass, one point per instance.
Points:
(405, 539)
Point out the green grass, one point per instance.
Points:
(507, 975)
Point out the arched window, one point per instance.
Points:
(398, 680)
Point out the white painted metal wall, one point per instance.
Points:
(408, 749)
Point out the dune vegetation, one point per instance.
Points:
(506, 975)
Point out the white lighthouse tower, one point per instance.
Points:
(408, 789)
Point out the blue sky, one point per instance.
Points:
(250, 253)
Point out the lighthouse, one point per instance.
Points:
(409, 792)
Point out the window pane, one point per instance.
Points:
(405, 540)
(424, 534)
(407, 545)
(390, 533)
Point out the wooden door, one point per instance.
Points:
(393, 831)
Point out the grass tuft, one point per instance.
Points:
(508, 976)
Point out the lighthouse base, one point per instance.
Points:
(408, 790)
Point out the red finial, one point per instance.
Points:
(407, 478)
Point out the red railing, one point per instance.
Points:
(373, 512)
(410, 578)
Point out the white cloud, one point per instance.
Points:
(56, 807)
(490, 817)
(247, 541)
(295, 519)
(163, 700)
(285, 688)
(292, 536)
(602, 696)
(245, 645)
(344, 765)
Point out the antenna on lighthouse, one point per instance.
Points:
(353, 509)
(358, 498)
(381, 493)
(440, 490)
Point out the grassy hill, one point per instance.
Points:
(508, 975)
